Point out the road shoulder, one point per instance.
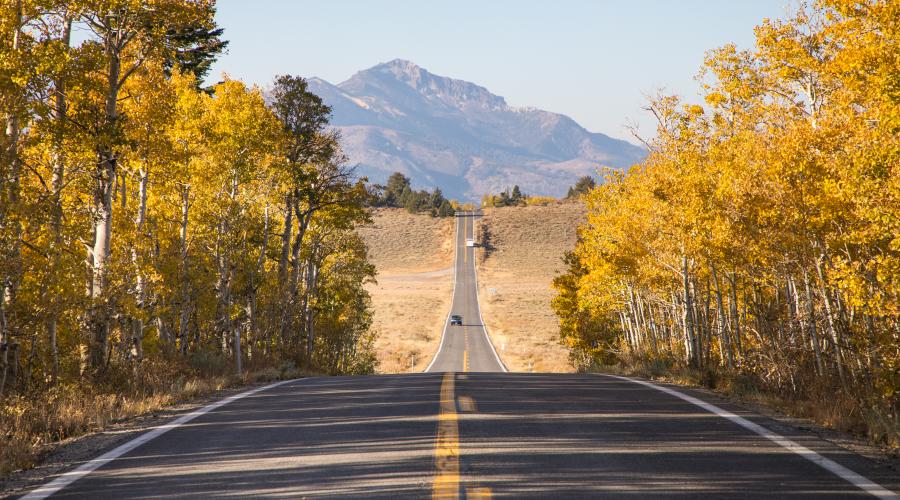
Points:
(62, 456)
(885, 465)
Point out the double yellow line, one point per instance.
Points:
(466, 350)
(446, 451)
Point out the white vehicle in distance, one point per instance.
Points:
(470, 242)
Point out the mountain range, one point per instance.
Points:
(456, 135)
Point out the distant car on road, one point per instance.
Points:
(456, 319)
(470, 242)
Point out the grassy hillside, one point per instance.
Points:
(414, 256)
(522, 252)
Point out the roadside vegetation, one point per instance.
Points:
(159, 239)
(756, 249)
(582, 186)
(507, 198)
(516, 198)
(398, 193)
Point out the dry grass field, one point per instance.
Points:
(414, 257)
(523, 253)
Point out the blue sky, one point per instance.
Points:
(595, 61)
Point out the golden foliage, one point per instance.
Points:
(760, 236)
(148, 226)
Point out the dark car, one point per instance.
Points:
(456, 319)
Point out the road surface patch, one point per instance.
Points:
(79, 472)
(466, 404)
(835, 468)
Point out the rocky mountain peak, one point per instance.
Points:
(456, 135)
(399, 72)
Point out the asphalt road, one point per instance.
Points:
(475, 432)
(467, 347)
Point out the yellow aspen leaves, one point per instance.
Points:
(759, 238)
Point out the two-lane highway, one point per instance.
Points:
(466, 347)
(465, 429)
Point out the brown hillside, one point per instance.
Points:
(521, 254)
(414, 257)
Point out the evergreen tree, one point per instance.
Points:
(516, 197)
(445, 209)
(582, 186)
(436, 198)
(398, 193)
(196, 48)
(394, 192)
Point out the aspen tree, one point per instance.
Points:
(766, 219)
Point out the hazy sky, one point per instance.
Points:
(592, 60)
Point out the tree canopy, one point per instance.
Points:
(760, 236)
(582, 186)
(398, 193)
(145, 223)
(506, 198)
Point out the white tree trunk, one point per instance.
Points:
(104, 180)
(832, 329)
(687, 315)
(59, 171)
(137, 339)
(721, 323)
(813, 329)
(184, 315)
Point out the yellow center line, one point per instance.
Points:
(478, 492)
(466, 351)
(446, 450)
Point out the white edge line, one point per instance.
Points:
(86, 468)
(483, 325)
(452, 296)
(835, 468)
